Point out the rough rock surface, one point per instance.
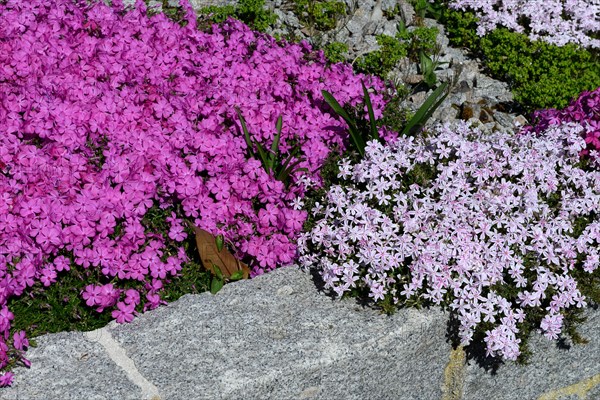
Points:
(278, 337)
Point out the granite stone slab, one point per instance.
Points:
(277, 337)
(67, 366)
(551, 367)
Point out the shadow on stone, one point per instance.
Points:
(320, 283)
(563, 344)
(362, 300)
(475, 351)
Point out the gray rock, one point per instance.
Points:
(68, 366)
(551, 368)
(276, 337)
(520, 121)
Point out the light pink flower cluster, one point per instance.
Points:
(486, 216)
(554, 21)
(105, 113)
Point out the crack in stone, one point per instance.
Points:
(119, 355)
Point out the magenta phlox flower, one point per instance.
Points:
(124, 312)
(107, 297)
(25, 273)
(269, 216)
(61, 263)
(20, 341)
(6, 379)
(110, 112)
(5, 317)
(48, 275)
(132, 296)
(584, 110)
(92, 295)
(153, 301)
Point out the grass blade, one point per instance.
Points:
(264, 158)
(275, 144)
(245, 130)
(287, 162)
(374, 132)
(355, 135)
(426, 109)
(287, 170)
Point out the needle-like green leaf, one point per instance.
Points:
(275, 145)
(264, 158)
(425, 111)
(245, 129)
(374, 132)
(355, 135)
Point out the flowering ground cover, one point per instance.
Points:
(554, 21)
(498, 227)
(113, 121)
(121, 130)
(584, 110)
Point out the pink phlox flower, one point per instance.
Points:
(132, 296)
(551, 325)
(20, 341)
(124, 312)
(48, 275)
(269, 216)
(62, 263)
(6, 379)
(92, 295)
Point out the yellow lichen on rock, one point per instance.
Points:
(579, 389)
(454, 375)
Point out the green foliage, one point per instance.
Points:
(540, 75)
(415, 44)
(395, 116)
(321, 15)
(98, 158)
(428, 107)
(420, 39)
(218, 14)
(334, 52)
(251, 12)
(381, 62)
(175, 12)
(427, 67)
(391, 13)
(460, 28)
(219, 280)
(424, 8)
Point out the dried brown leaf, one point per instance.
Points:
(210, 255)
